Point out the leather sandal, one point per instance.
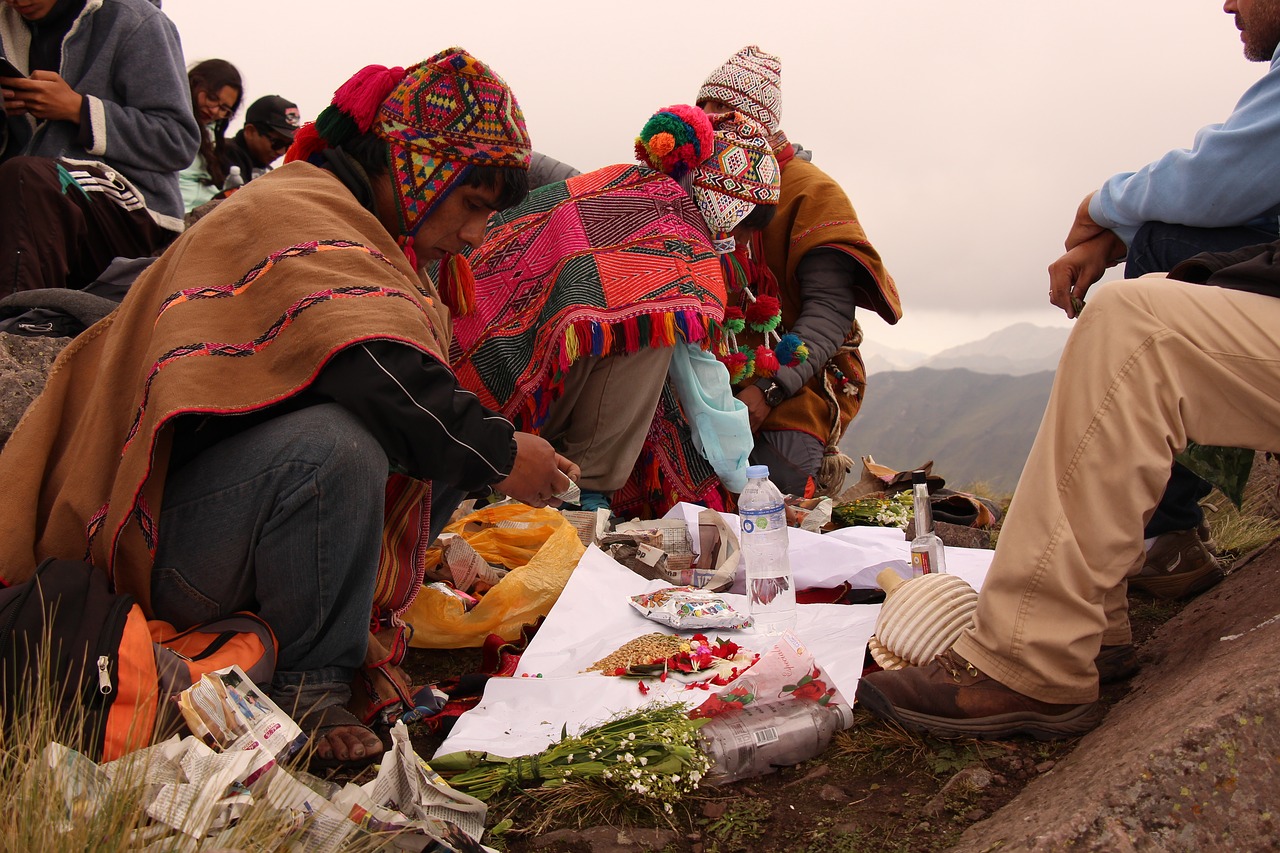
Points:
(320, 721)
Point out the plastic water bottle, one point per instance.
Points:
(234, 180)
(758, 740)
(770, 590)
(927, 554)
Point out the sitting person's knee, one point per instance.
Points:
(333, 437)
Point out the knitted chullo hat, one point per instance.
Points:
(741, 173)
(438, 118)
(751, 83)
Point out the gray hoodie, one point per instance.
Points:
(125, 58)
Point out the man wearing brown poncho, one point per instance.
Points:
(223, 440)
(815, 259)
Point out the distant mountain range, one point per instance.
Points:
(1014, 351)
(973, 409)
(976, 427)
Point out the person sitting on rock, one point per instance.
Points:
(91, 140)
(216, 95)
(1221, 194)
(269, 126)
(1151, 364)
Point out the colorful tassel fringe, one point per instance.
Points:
(457, 285)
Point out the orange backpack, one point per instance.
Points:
(65, 637)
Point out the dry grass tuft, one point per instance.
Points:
(1237, 531)
(579, 804)
(879, 744)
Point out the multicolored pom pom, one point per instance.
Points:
(766, 361)
(791, 350)
(675, 140)
(764, 314)
(736, 364)
(750, 355)
(734, 320)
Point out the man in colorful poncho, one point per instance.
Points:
(799, 374)
(222, 441)
(597, 287)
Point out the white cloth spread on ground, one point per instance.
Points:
(550, 692)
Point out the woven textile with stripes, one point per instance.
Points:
(604, 263)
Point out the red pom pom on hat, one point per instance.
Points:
(362, 95)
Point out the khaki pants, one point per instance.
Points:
(603, 415)
(1150, 364)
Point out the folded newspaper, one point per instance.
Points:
(230, 786)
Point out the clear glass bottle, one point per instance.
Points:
(927, 553)
(770, 589)
(758, 740)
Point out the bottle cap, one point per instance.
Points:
(916, 477)
(757, 472)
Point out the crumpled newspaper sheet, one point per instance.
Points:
(225, 795)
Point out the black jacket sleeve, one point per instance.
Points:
(411, 403)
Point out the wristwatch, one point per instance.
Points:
(774, 392)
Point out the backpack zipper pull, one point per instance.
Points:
(104, 674)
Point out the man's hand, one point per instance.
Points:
(757, 409)
(539, 473)
(1071, 275)
(1083, 229)
(44, 95)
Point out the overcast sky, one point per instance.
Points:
(965, 133)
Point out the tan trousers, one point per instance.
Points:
(601, 419)
(1150, 363)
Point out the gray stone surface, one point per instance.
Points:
(1190, 758)
(24, 365)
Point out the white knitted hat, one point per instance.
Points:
(751, 83)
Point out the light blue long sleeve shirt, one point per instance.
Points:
(1230, 176)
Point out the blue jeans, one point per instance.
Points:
(283, 519)
(1159, 247)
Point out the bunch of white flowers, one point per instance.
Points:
(878, 511)
(652, 753)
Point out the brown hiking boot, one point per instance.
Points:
(1177, 566)
(1116, 663)
(950, 697)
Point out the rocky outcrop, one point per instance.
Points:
(1190, 758)
(24, 366)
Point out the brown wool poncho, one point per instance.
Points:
(241, 312)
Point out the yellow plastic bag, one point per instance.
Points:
(539, 546)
